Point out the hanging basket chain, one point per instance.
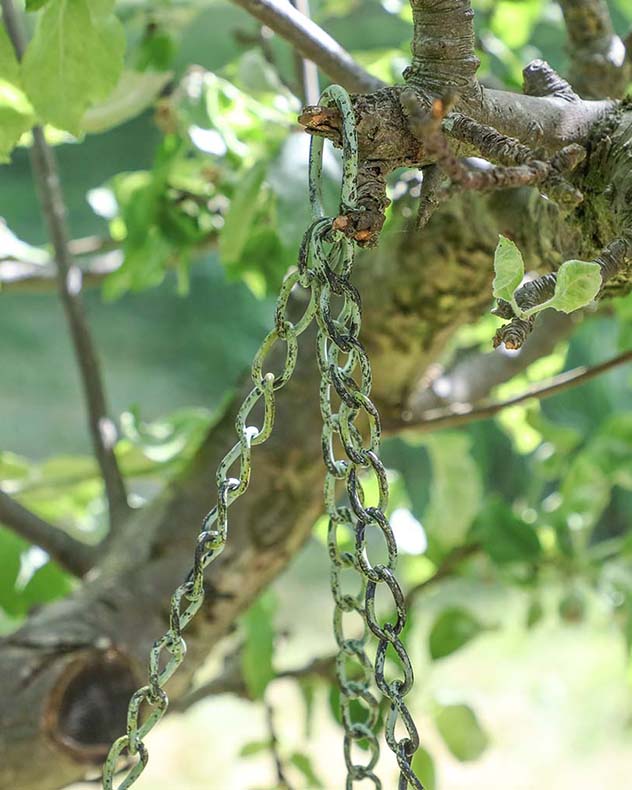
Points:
(329, 257)
(325, 264)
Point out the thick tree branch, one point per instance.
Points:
(443, 49)
(312, 43)
(598, 56)
(71, 554)
(102, 430)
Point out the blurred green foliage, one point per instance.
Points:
(206, 194)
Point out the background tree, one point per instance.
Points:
(208, 196)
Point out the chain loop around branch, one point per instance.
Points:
(324, 268)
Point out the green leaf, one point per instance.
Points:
(73, 61)
(258, 649)
(455, 490)
(577, 284)
(508, 268)
(241, 214)
(46, 584)
(423, 765)
(535, 613)
(11, 548)
(16, 112)
(254, 747)
(304, 765)
(504, 537)
(461, 731)
(452, 629)
(35, 5)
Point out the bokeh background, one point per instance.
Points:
(546, 672)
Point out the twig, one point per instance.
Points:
(102, 429)
(24, 276)
(312, 43)
(282, 780)
(461, 413)
(71, 554)
(611, 261)
(431, 195)
(525, 169)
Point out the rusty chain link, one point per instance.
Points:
(325, 265)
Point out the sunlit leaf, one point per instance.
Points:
(16, 112)
(73, 61)
(577, 284)
(240, 216)
(508, 269)
(254, 747)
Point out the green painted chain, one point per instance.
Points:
(328, 257)
(325, 263)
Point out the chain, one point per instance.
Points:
(328, 257)
(212, 539)
(325, 263)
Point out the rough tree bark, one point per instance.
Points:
(68, 672)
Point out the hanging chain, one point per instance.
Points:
(325, 264)
(328, 257)
(212, 538)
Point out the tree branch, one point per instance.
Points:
(598, 56)
(312, 43)
(282, 781)
(474, 375)
(71, 554)
(462, 413)
(443, 49)
(24, 276)
(102, 429)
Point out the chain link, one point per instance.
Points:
(325, 264)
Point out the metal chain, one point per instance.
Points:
(212, 538)
(325, 264)
(328, 257)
